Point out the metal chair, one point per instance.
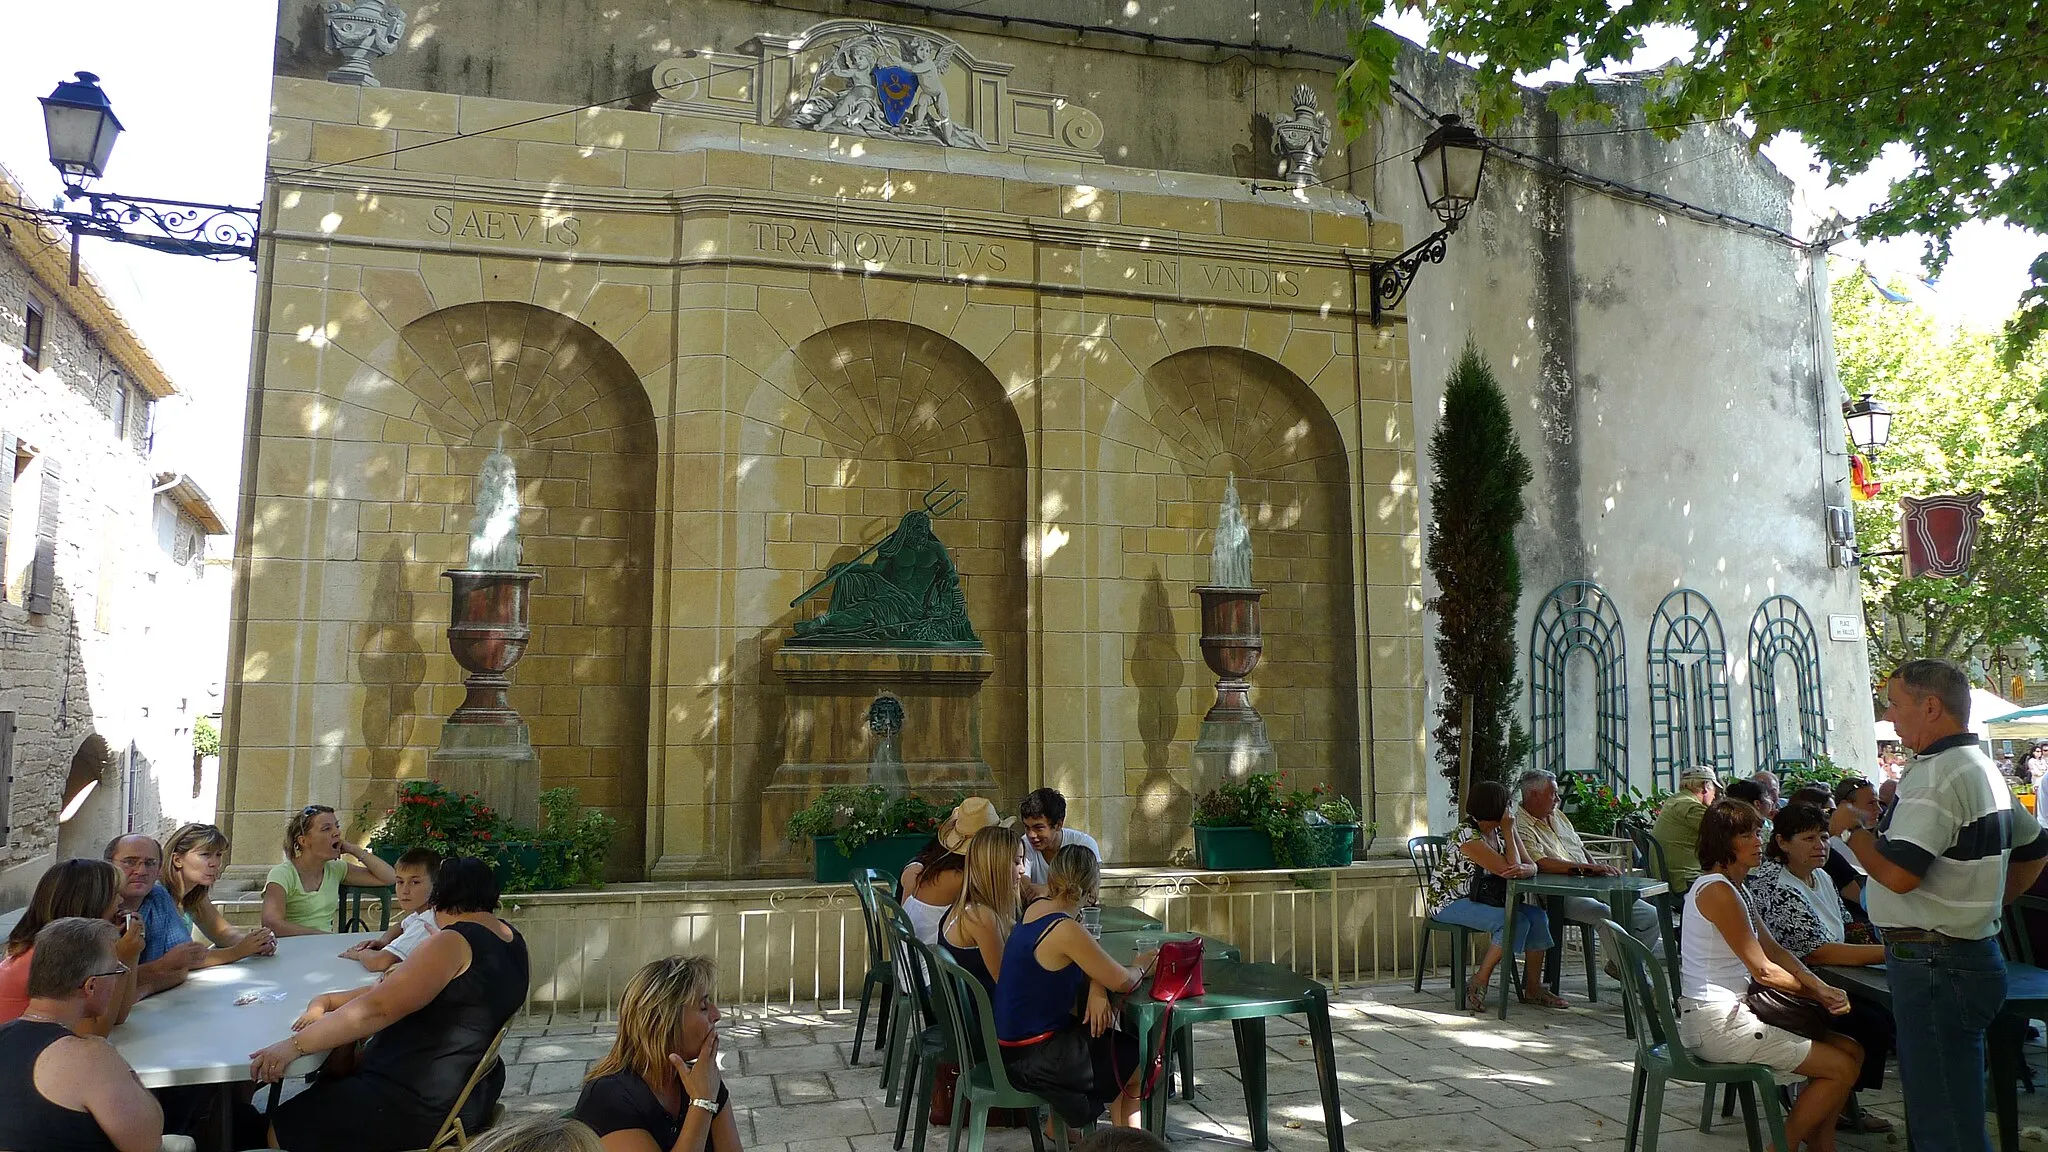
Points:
(1661, 1057)
(866, 883)
(1426, 853)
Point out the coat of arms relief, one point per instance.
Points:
(882, 81)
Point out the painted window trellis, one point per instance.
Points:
(1576, 617)
(1780, 635)
(1691, 720)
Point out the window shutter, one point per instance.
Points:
(7, 461)
(6, 776)
(42, 578)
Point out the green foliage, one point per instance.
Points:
(1955, 82)
(1822, 769)
(1598, 810)
(1479, 473)
(569, 848)
(858, 814)
(205, 737)
(1962, 423)
(1257, 802)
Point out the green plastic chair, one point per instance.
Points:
(984, 1083)
(350, 916)
(1661, 1057)
(931, 1044)
(903, 1020)
(1650, 858)
(866, 882)
(1426, 853)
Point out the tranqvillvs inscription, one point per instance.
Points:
(875, 246)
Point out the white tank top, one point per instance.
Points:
(1708, 969)
(924, 918)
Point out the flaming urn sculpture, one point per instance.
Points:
(1232, 743)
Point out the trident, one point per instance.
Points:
(938, 500)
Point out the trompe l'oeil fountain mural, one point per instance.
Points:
(1232, 742)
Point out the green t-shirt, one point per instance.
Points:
(316, 909)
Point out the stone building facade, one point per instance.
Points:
(733, 312)
(106, 632)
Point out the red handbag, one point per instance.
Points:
(1177, 976)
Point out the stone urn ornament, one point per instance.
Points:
(1231, 642)
(487, 620)
(359, 33)
(1302, 139)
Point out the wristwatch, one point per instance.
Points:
(710, 1106)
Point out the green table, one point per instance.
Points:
(1123, 918)
(1619, 893)
(1245, 995)
(1123, 946)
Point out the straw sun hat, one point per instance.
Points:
(969, 816)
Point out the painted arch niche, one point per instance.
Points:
(843, 435)
(1193, 420)
(572, 414)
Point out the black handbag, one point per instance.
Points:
(1488, 889)
(1795, 1014)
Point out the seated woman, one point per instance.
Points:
(428, 1022)
(1049, 1047)
(658, 1089)
(977, 926)
(1798, 904)
(302, 895)
(1725, 947)
(1485, 846)
(193, 858)
(932, 881)
(86, 888)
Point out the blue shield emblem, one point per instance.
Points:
(897, 87)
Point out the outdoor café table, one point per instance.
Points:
(197, 1034)
(1245, 995)
(2026, 998)
(1619, 892)
(1123, 918)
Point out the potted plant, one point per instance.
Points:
(568, 849)
(858, 826)
(1251, 824)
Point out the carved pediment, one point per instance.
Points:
(884, 81)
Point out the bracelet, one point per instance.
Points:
(710, 1106)
(295, 1044)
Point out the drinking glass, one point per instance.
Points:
(1091, 919)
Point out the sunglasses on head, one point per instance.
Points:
(314, 809)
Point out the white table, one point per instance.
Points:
(197, 1034)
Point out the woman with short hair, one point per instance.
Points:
(658, 1089)
(1485, 845)
(428, 1023)
(1725, 947)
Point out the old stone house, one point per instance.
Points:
(108, 633)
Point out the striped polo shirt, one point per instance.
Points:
(1954, 826)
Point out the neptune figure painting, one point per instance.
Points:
(907, 596)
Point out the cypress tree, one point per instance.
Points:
(1476, 503)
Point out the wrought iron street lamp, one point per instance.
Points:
(1450, 166)
(1870, 424)
(81, 126)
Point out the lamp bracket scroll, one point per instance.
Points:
(1392, 278)
(188, 228)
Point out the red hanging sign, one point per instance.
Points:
(1940, 532)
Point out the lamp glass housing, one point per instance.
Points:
(1870, 424)
(80, 124)
(1450, 166)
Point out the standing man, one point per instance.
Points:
(1548, 839)
(1677, 828)
(1947, 858)
(168, 950)
(1044, 816)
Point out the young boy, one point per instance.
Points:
(415, 882)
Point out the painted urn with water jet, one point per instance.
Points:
(1232, 743)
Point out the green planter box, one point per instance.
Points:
(1233, 849)
(887, 855)
(1327, 846)
(507, 860)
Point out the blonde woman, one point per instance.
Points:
(658, 1089)
(302, 895)
(1068, 1059)
(978, 924)
(193, 858)
(546, 1134)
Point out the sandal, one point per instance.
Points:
(1542, 997)
(1868, 1122)
(1475, 997)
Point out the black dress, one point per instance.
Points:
(29, 1122)
(412, 1071)
(622, 1102)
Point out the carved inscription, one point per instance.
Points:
(1209, 276)
(877, 246)
(463, 222)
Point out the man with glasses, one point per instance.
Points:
(168, 950)
(60, 1089)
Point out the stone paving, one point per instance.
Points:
(1416, 1077)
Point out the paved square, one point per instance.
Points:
(1416, 1077)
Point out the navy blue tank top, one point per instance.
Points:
(968, 957)
(1031, 1001)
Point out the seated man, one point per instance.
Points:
(60, 1090)
(1677, 828)
(1044, 816)
(168, 950)
(1548, 839)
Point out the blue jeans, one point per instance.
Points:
(1944, 995)
(1532, 927)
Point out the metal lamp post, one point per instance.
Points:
(80, 124)
(1450, 166)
